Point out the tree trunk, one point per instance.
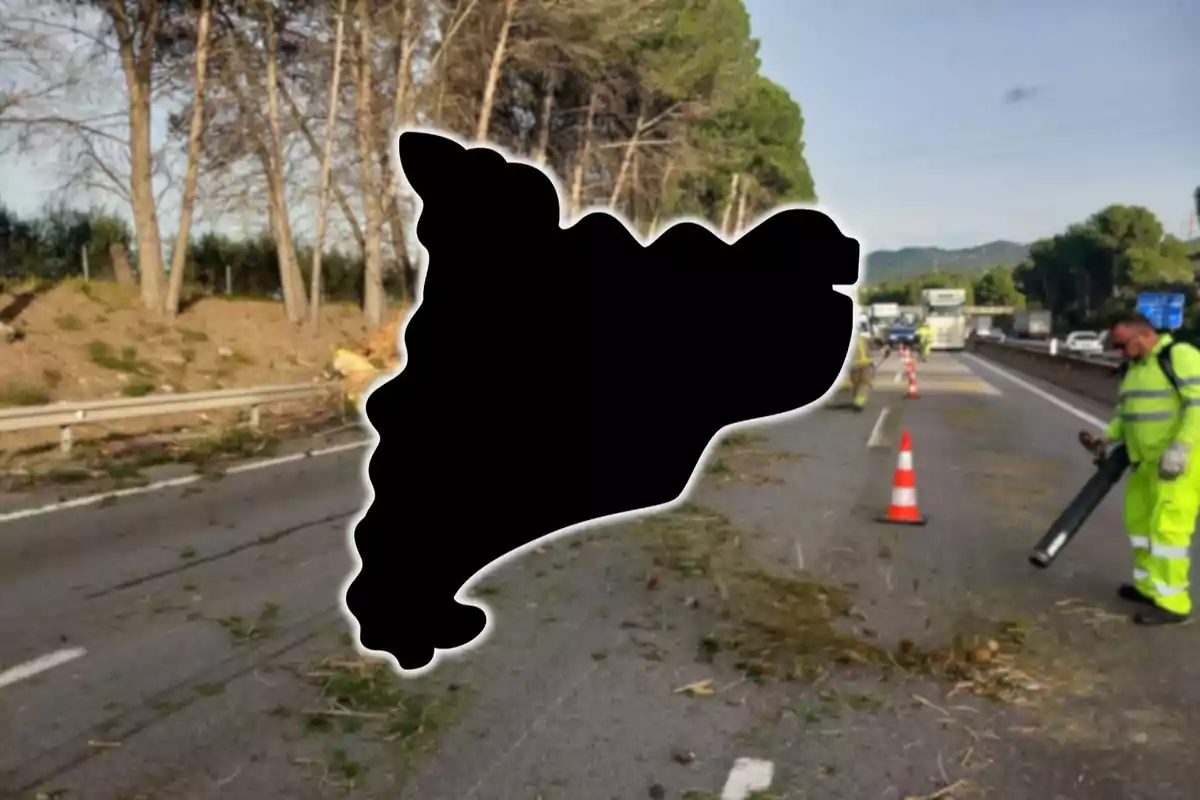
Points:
(314, 298)
(740, 225)
(291, 281)
(729, 203)
(392, 211)
(374, 299)
(137, 60)
(626, 160)
(195, 131)
(122, 271)
(499, 56)
(318, 153)
(404, 265)
(583, 151)
(635, 184)
(542, 148)
(663, 185)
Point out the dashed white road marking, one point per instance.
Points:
(92, 499)
(749, 775)
(1058, 402)
(876, 436)
(40, 664)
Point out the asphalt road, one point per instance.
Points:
(197, 651)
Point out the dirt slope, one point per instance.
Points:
(92, 341)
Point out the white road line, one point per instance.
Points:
(92, 499)
(1042, 393)
(38, 665)
(877, 432)
(749, 775)
(896, 377)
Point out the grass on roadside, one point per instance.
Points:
(743, 457)
(207, 455)
(15, 395)
(102, 354)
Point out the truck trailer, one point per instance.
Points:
(946, 316)
(1032, 324)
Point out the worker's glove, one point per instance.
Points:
(1092, 443)
(1173, 462)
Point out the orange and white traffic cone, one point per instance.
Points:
(903, 508)
(912, 393)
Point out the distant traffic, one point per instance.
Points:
(952, 323)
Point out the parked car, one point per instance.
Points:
(991, 335)
(1084, 343)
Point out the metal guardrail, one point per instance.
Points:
(1043, 346)
(66, 414)
(1092, 377)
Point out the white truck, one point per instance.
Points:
(1032, 324)
(946, 314)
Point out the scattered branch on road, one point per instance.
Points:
(785, 625)
(361, 694)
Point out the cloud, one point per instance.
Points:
(1019, 94)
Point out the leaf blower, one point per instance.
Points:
(1110, 468)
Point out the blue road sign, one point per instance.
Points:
(1165, 310)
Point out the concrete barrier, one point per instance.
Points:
(1095, 380)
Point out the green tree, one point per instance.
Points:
(1097, 267)
(996, 287)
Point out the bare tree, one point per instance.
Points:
(195, 131)
(136, 33)
(289, 270)
(55, 105)
(499, 54)
(374, 299)
(314, 312)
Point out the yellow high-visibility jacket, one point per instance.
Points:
(862, 356)
(1150, 413)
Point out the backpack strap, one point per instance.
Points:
(1164, 363)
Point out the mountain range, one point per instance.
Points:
(886, 265)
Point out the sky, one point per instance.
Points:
(953, 123)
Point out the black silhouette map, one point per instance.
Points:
(556, 376)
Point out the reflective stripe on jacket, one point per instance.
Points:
(1150, 413)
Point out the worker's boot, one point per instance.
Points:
(1130, 594)
(1158, 616)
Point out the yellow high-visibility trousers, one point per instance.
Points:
(860, 383)
(1160, 517)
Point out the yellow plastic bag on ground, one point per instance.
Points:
(357, 373)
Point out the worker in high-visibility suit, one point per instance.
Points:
(925, 339)
(862, 368)
(1159, 424)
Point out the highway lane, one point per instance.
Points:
(161, 591)
(205, 615)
